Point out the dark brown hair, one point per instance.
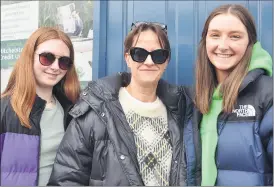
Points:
(22, 85)
(206, 80)
(162, 36)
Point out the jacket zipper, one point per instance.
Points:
(180, 155)
(125, 135)
(184, 149)
(122, 130)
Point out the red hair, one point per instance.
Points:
(22, 85)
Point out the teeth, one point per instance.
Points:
(223, 55)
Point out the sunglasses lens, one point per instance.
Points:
(65, 63)
(138, 54)
(160, 56)
(46, 59)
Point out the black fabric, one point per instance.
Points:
(98, 147)
(10, 121)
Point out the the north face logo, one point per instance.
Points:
(245, 111)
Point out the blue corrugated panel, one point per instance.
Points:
(185, 20)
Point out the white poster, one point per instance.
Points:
(71, 20)
(19, 20)
(83, 58)
(66, 19)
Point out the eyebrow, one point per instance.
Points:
(215, 30)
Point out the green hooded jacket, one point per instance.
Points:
(260, 59)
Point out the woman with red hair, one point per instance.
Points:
(34, 106)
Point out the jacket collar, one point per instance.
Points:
(107, 89)
(39, 103)
(251, 77)
(39, 106)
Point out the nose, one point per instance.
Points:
(55, 65)
(149, 61)
(223, 44)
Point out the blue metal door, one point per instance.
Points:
(185, 20)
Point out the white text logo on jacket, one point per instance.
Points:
(245, 111)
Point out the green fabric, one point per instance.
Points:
(259, 59)
(209, 139)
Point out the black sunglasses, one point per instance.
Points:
(47, 58)
(158, 56)
(138, 23)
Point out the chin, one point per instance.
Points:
(148, 81)
(51, 82)
(223, 67)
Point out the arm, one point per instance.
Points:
(2, 132)
(266, 131)
(2, 138)
(73, 161)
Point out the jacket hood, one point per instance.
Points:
(260, 59)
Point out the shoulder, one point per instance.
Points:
(265, 83)
(81, 107)
(5, 101)
(86, 111)
(188, 92)
(88, 121)
(263, 90)
(10, 121)
(6, 106)
(178, 99)
(171, 94)
(260, 89)
(257, 96)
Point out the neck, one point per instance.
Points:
(221, 75)
(45, 93)
(142, 93)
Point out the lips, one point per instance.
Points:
(223, 55)
(51, 74)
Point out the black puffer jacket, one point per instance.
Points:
(98, 147)
(20, 146)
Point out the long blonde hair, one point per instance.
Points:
(22, 85)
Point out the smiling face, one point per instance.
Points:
(146, 73)
(49, 76)
(226, 43)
